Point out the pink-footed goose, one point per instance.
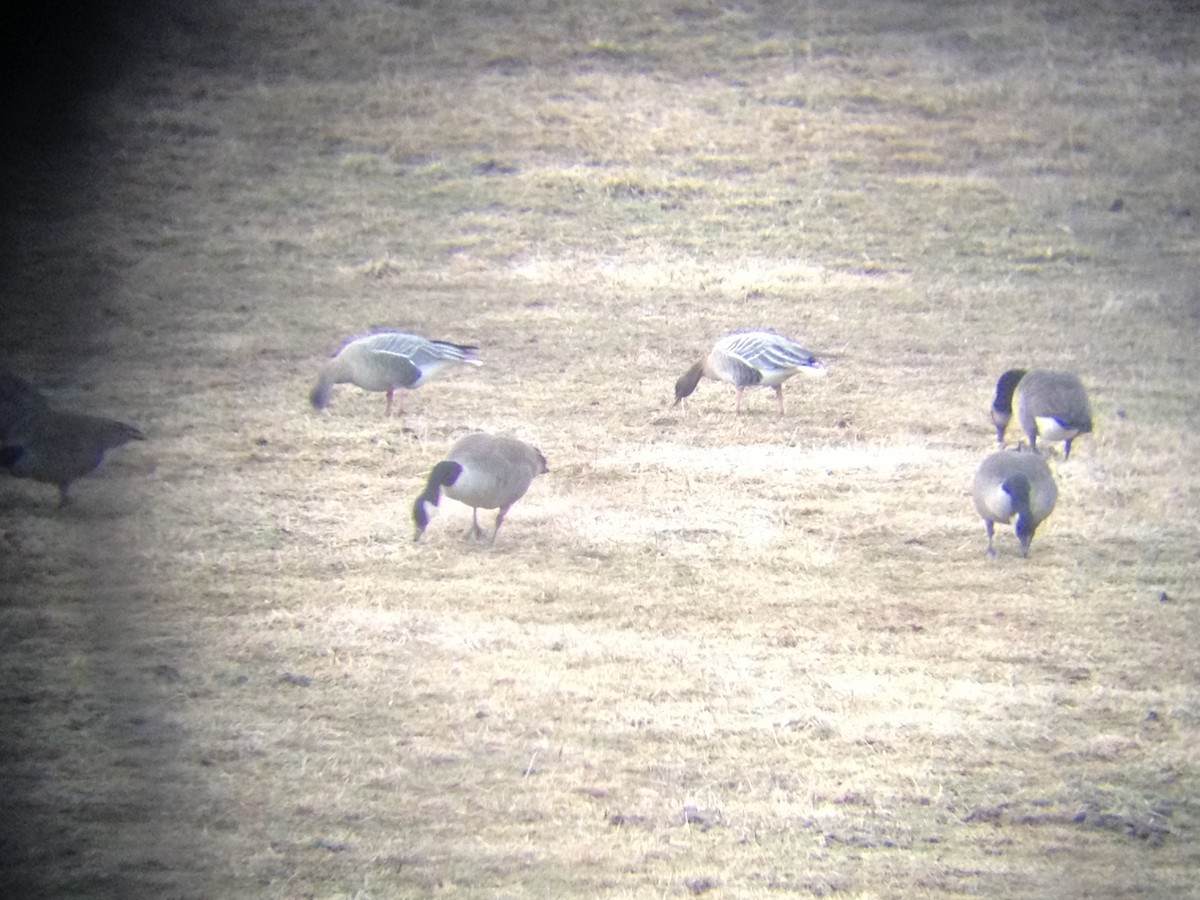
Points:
(750, 359)
(389, 361)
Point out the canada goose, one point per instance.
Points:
(1014, 483)
(484, 472)
(1050, 405)
(748, 359)
(18, 401)
(388, 360)
(58, 447)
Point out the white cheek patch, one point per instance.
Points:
(1048, 428)
(429, 509)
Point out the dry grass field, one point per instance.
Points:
(734, 656)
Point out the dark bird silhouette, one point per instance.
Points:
(58, 447)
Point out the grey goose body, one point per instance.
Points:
(1014, 486)
(1049, 405)
(58, 448)
(482, 471)
(387, 361)
(750, 359)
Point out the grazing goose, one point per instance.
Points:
(58, 447)
(1014, 483)
(1050, 405)
(749, 359)
(389, 360)
(484, 472)
(18, 401)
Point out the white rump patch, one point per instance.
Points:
(1049, 429)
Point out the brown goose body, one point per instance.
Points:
(1049, 405)
(482, 471)
(1014, 486)
(57, 447)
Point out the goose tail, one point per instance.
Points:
(113, 433)
(466, 353)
